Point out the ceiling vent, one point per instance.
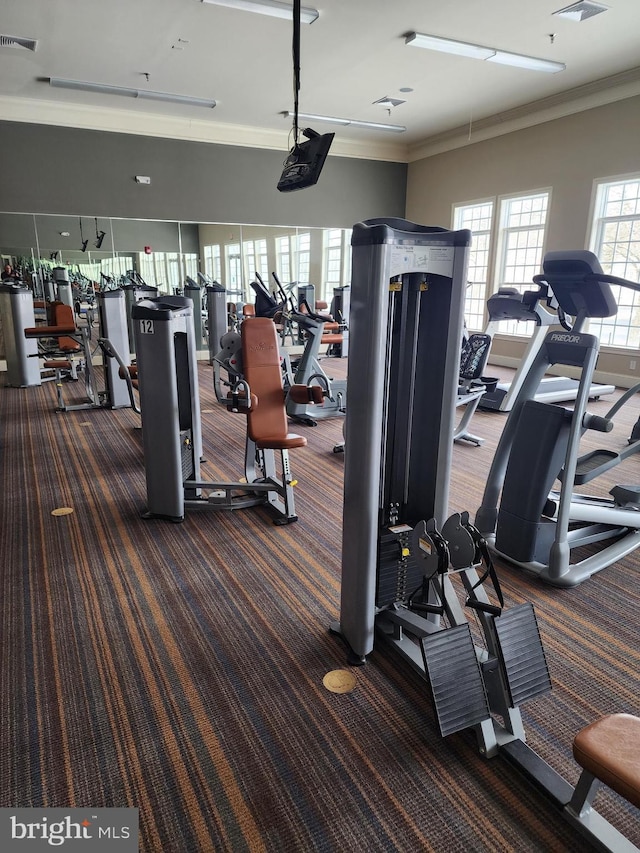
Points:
(389, 102)
(581, 11)
(18, 41)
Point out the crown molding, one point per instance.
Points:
(596, 94)
(589, 96)
(113, 120)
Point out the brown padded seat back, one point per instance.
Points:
(132, 370)
(267, 422)
(61, 320)
(63, 316)
(248, 310)
(610, 749)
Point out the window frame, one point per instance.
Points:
(608, 327)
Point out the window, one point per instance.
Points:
(303, 257)
(478, 218)
(283, 260)
(118, 266)
(521, 238)
(615, 239)
(212, 264)
(234, 270)
(332, 259)
(161, 270)
(255, 258)
(190, 264)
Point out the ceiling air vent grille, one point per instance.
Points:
(581, 11)
(19, 42)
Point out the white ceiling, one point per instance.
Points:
(352, 55)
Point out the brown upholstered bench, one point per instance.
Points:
(608, 750)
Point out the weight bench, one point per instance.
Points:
(608, 751)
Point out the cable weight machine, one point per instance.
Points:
(401, 559)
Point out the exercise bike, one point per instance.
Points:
(307, 371)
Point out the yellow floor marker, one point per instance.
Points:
(339, 681)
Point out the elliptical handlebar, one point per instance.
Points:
(613, 279)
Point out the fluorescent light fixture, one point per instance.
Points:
(274, 8)
(518, 60)
(490, 54)
(346, 122)
(105, 89)
(459, 48)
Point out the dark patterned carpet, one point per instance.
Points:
(178, 668)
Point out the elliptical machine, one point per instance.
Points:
(530, 527)
(533, 306)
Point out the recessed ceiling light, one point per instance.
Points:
(581, 11)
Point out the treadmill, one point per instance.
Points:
(510, 304)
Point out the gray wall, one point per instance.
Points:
(47, 169)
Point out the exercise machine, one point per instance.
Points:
(307, 370)
(171, 427)
(339, 309)
(216, 302)
(136, 290)
(17, 312)
(472, 385)
(228, 356)
(406, 324)
(530, 307)
(66, 349)
(534, 528)
(194, 292)
(403, 567)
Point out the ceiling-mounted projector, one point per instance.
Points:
(305, 161)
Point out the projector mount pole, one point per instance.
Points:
(296, 67)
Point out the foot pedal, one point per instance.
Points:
(456, 680)
(521, 653)
(626, 496)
